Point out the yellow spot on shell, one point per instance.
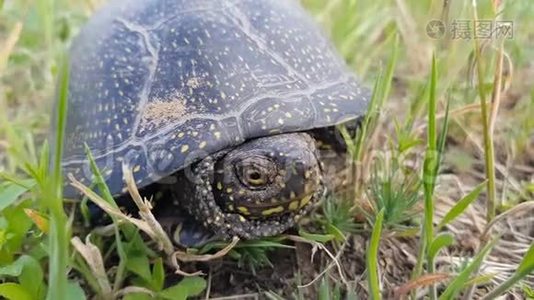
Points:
(181, 135)
(219, 186)
(137, 169)
(272, 211)
(202, 145)
(229, 190)
(217, 134)
(294, 205)
(184, 148)
(242, 219)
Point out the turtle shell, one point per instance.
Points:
(160, 84)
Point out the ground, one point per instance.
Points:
(419, 57)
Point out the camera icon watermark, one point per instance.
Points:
(471, 29)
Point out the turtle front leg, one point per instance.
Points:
(186, 232)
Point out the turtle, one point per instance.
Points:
(220, 108)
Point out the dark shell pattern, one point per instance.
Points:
(160, 84)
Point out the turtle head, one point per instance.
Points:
(268, 176)
(260, 188)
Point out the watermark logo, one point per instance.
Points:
(436, 29)
(470, 29)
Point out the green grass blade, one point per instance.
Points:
(526, 267)
(390, 71)
(53, 197)
(106, 195)
(321, 238)
(44, 160)
(527, 264)
(372, 110)
(372, 258)
(13, 291)
(185, 289)
(461, 205)
(99, 180)
(324, 290)
(430, 170)
(381, 92)
(430, 173)
(60, 128)
(442, 240)
(431, 158)
(11, 192)
(485, 110)
(442, 139)
(459, 282)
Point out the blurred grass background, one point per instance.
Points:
(35, 35)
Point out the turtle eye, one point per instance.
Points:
(254, 177)
(256, 174)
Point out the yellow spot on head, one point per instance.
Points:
(294, 205)
(184, 148)
(243, 210)
(272, 211)
(305, 200)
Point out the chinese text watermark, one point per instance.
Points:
(471, 29)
